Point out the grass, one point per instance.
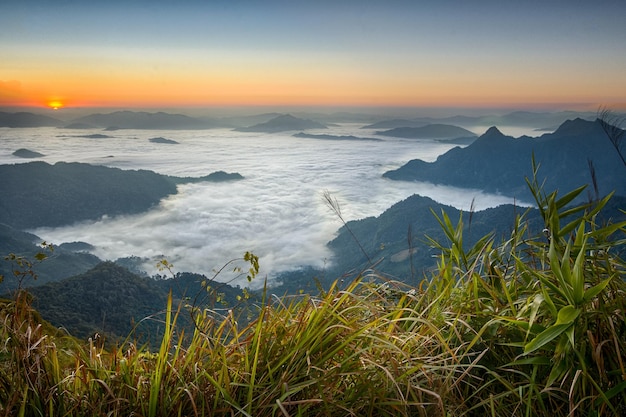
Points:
(532, 325)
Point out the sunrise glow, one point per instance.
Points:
(55, 105)
(312, 54)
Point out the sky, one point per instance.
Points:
(396, 53)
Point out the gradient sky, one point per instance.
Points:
(156, 54)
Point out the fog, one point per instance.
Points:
(276, 212)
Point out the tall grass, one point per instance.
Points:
(532, 325)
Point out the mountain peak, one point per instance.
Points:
(576, 127)
(493, 131)
(282, 123)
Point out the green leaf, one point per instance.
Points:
(535, 360)
(595, 290)
(613, 391)
(545, 337)
(570, 336)
(567, 315)
(567, 198)
(557, 372)
(578, 276)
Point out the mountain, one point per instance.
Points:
(26, 119)
(111, 301)
(283, 123)
(395, 241)
(432, 131)
(107, 299)
(334, 137)
(164, 140)
(27, 153)
(38, 194)
(394, 123)
(141, 120)
(537, 120)
(217, 176)
(498, 163)
(63, 261)
(386, 238)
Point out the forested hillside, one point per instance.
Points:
(577, 153)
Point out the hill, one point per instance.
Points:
(27, 119)
(283, 123)
(334, 137)
(110, 300)
(432, 131)
(63, 261)
(27, 153)
(395, 240)
(535, 120)
(106, 299)
(498, 163)
(394, 123)
(141, 120)
(38, 194)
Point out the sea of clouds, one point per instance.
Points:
(277, 212)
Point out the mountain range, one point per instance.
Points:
(430, 131)
(577, 153)
(283, 123)
(163, 120)
(141, 120)
(537, 120)
(107, 297)
(27, 119)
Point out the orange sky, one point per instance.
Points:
(110, 56)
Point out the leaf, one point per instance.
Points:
(595, 290)
(40, 256)
(578, 276)
(567, 198)
(557, 372)
(570, 336)
(535, 360)
(545, 337)
(567, 315)
(534, 307)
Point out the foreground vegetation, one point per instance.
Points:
(528, 326)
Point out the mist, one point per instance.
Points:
(277, 212)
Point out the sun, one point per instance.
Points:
(55, 104)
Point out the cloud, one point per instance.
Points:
(277, 212)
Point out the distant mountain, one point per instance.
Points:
(38, 194)
(78, 126)
(498, 163)
(27, 153)
(163, 140)
(141, 120)
(283, 123)
(26, 119)
(394, 123)
(334, 137)
(432, 131)
(537, 120)
(217, 176)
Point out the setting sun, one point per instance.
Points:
(55, 105)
